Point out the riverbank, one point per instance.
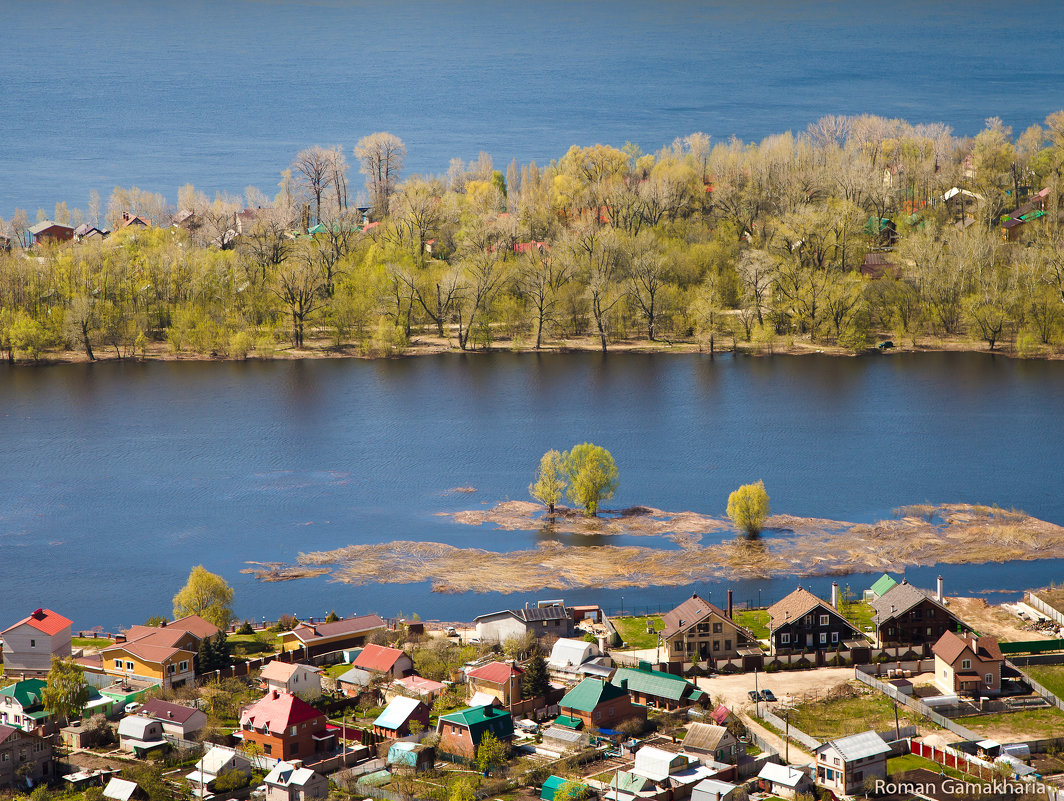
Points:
(425, 345)
(919, 536)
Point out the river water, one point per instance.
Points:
(224, 94)
(117, 478)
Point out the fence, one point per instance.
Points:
(1041, 690)
(790, 731)
(1031, 646)
(1044, 608)
(915, 704)
(952, 758)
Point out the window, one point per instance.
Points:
(129, 665)
(717, 629)
(295, 748)
(598, 714)
(785, 638)
(171, 669)
(3, 757)
(267, 748)
(966, 664)
(989, 678)
(184, 666)
(823, 637)
(809, 620)
(716, 645)
(823, 620)
(33, 643)
(727, 645)
(834, 636)
(118, 664)
(293, 730)
(677, 646)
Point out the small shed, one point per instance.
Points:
(416, 756)
(123, 790)
(551, 785)
(714, 790)
(140, 735)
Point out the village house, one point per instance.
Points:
(285, 727)
(140, 734)
(715, 790)
(164, 655)
(696, 630)
(500, 680)
(709, 742)
(597, 704)
(968, 664)
(803, 622)
(385, 662)
(880, 586)
(178, 720)
(844, 765)
(395, 720)
(321, 638)
(124, 790)
(657, 689)
(673, 773)
(22, 706)
(215, 763)
(295, 678)
(86, 232)
(908, 615)
(415, 685)
(50, 232)
(460, 732)
(546, 619)
(290, 781)
(568, 654)
(134, 220)
(784, 781)
(30, 644)
(19, 748)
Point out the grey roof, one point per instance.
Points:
(119, 789)
(44, 225)
(781, 774)
(533, 614)
(857, 746)
(902, 597)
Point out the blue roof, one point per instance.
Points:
(396, 713)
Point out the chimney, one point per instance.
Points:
(729, 602)
(163, 624)
(275, 695)
(938, 592)
(835, 594)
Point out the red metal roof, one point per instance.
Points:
(495, 672)
(378, 658)
(45, 621)
(278, 711)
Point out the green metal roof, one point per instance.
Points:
(656, 683)
(883, 583)
(589, 693)
(27, 692)
(40, 714)
(551, 785)
(569, 722)
(479, 719)
(629, 783)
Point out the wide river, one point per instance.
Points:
(117, 478)
(224, 94)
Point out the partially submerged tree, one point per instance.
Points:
(748, 507)
(550, 483)
(592, 476)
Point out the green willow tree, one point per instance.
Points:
(549, 486)
(66, 693)
(592, 475)
(748, 507)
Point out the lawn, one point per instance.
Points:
(633, 630)
(337, 670)
(859, 613)
(1049, 676)
(849, 711)
(1030, 724)
(900, 764)
(90, 642)
(249, 646)
(756, 620)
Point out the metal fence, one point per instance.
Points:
(789, 729)
(916, 705)
(1044, 608)
(1045, 692)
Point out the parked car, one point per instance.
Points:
(754, 696)
(766, 695)
(132, 707)
(450, 631)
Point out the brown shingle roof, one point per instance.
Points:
(703, 737)
(899, 599)
(950, 646)
(353, 625)
(798, 603)
(691, 611)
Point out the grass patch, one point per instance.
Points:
(249, 646)
(849, 710)
(859, 613)
(900, 764)
(633, 630)
(756, 620)
(337, 670)
(1028, 724)
(1049, 676)
(90, 642)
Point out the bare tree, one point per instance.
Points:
(381, 155)
(539, 277)
(313, 169)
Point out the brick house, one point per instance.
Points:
(285, 727)
(908, 615)
(696, 630)
(803, 622)
(460, 732)
(394, 721)
(599, 705)
(968, 664)
(30, 644)
(19, 749)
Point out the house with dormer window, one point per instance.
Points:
(696, 631)
(804, 622)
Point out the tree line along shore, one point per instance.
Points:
(856, 231)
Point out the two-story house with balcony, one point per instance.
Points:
(285, 727)
(908, 615)
(697, 631)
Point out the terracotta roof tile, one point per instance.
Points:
(495, 672)
(45, 621)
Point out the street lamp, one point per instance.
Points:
(622, 606)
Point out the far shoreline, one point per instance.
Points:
(435, 346)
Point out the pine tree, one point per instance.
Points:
(535, 682)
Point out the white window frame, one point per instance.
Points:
(118, 664)
(834, 636)
(129, 665)
(966, 664)
(823, 620)
(989, 677)
(823, 638)
(785, 638)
